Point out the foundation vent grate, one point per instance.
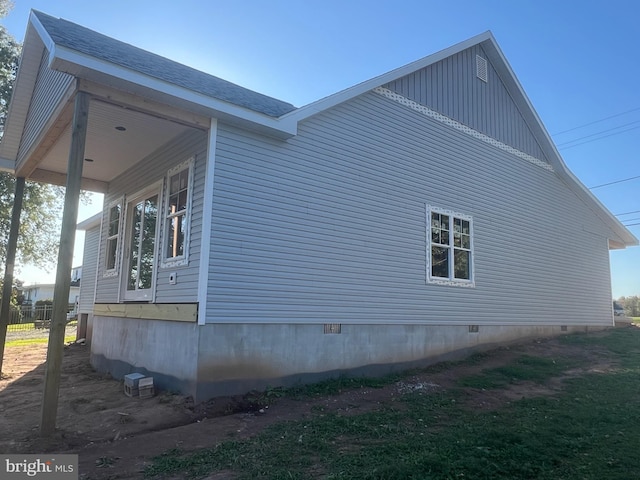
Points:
(332, 328)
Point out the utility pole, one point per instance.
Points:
(55, 348)
(12, 246)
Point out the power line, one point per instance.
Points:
(598, 133)
(631, 219)
(626, 213)
(632, 224)
(595, 121)
(599, 138)
(614, 182)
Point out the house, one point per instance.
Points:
(76, 275)
(245, 242)
(41, 292)
(44, 291)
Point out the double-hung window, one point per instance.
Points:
(114, 221)
(177, 214)
(449, 247)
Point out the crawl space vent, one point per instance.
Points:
(332, 328)
(481, 68)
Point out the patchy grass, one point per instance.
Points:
(338, 385)
(588, 431)
(33, 341)
(525, 368)
(18, 327)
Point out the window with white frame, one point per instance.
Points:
(178, 206)
(449, 247)
(114, 221)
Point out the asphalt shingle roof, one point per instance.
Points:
(89, 42)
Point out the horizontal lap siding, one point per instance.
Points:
(89, 266)
(147, 172)
(330, 227)
(48, 91)
(451, 88)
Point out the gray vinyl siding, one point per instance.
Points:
(48, 91)
(451, 88)
(329, 227)
(89, 268)
(145, 173)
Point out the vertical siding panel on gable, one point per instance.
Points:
(456, 92)
(48, 91)
(145, 173)
(329, 226)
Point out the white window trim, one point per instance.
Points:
(182, 260)
(113, 272)
(123, 295)
(452, 281)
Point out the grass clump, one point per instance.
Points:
(524, 368)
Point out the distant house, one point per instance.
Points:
(44, 291)
(76, 276)
(245, 242)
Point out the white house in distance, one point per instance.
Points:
(245, 242)
(44, 291)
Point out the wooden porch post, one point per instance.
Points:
(63, 272)
(12, 245)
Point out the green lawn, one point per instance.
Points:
(34, 341)
(588, 430)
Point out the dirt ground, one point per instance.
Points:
(116, 436)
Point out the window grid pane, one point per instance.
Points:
(440, 262)
(450, 247)
(113, 229)
(177, 214)
(175, 246)
(461, 264)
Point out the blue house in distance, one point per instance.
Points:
(247, 243)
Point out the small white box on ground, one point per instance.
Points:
(145, 387)
(131, 384)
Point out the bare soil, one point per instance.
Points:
(116, 436)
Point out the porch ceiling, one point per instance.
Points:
(109, 150)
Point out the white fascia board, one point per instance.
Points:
(527, 109)
(616, 225)
(68, 60)
(90, 222)
(352, 92)
(49, 44)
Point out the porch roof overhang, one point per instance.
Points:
(152, 110)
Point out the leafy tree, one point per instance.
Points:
(42, 204)
(631, 305)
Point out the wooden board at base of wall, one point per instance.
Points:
(177, 312)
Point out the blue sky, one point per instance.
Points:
(577, 61)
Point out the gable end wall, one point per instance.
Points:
(452, 88)
(50, 87)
